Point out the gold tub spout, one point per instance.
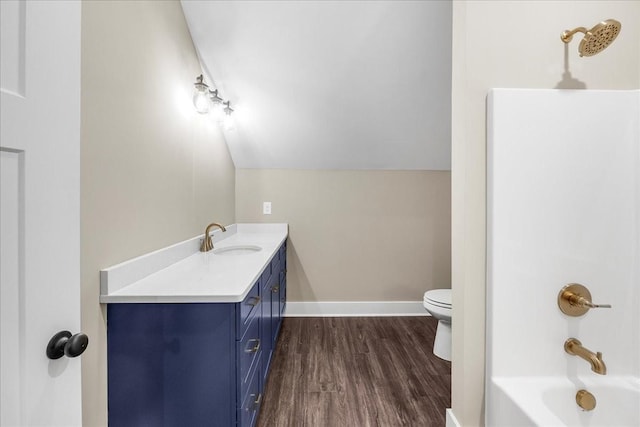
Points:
(574, 347)
(207, 244)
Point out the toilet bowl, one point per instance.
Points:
(438, 303)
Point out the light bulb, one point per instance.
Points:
(201, 102)
(201, 96)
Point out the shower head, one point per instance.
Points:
(596, 39)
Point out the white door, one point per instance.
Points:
(39, 210)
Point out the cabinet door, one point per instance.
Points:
(275, 308)
(283, 292)
(283, 288)
(171, 364)
(266, 326)
(283, 283)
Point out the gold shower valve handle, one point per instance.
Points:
(580, 301)
(575, 300)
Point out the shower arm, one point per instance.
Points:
(568, 35)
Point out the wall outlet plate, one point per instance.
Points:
(266, 208)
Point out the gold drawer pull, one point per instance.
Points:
(275, 289)
(255, 348)
(256, 301)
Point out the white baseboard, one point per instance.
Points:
(354, 309)
(451, 419)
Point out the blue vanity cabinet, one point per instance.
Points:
(185, 364)
(171, 364)
(194, 364)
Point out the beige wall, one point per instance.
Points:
(510, 44)
(356, 235)
(154, 172)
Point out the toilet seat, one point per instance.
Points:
(438, 297)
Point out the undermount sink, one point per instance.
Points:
(237, 250)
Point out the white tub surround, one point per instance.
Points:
(563, 186)
(182, 274)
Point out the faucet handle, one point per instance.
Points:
(580, 301)
(592, 305)
(575, 300)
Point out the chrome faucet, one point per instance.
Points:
(575, 348)
(207, 244)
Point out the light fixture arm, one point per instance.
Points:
(200, 84)
(227, 109)
(215, 98)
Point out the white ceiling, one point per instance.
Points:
(331, 84)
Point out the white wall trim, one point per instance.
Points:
(451, 419)
(354, 309)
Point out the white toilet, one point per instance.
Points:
(438, 303)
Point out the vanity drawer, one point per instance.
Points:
(247, 310)
(249, 349)
(248, 412)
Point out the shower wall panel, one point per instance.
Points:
(563, 181)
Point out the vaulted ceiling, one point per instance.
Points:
(330, 84)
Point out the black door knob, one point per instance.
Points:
(63, 344)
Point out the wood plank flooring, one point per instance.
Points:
(350, 371)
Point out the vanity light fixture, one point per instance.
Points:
(206, 100)
(201, 96)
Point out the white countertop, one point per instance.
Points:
(201, 276)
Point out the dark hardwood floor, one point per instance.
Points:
(357, 371)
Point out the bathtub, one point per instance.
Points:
(550, 401)
(563, 206)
